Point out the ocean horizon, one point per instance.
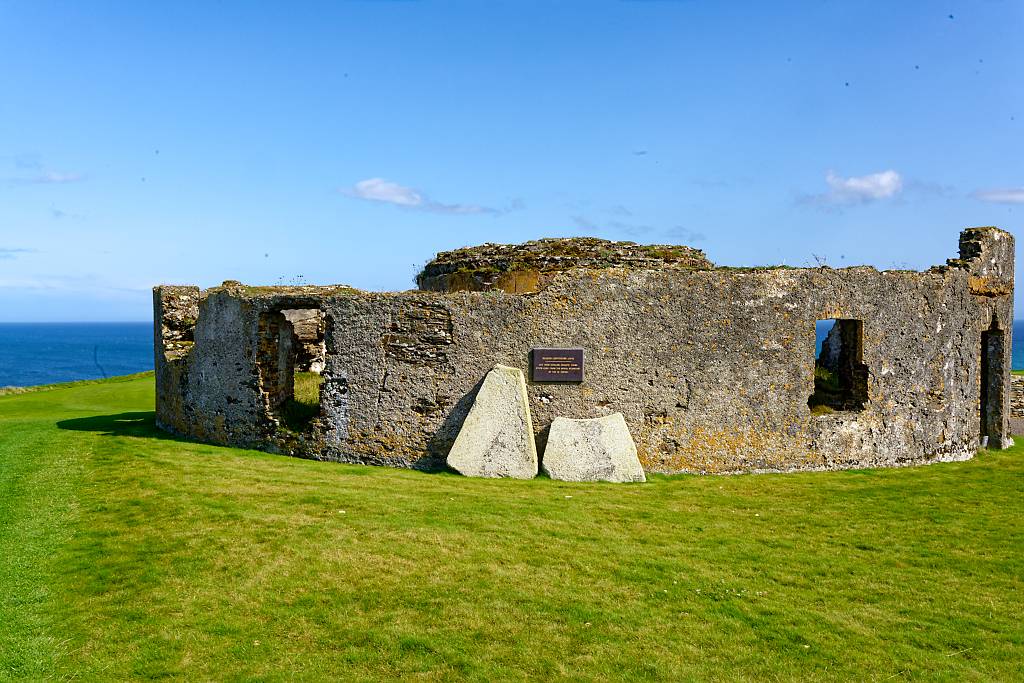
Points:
(47, 353)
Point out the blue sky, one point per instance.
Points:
(145, 143)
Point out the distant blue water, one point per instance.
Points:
(43, 353)
(1017, 353)
(1016, 356)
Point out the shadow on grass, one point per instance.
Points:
(139, 424)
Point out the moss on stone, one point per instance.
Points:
(234, 287)
(480, 268)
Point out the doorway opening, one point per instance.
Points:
(993, 388)
(290, 358)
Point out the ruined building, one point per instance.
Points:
(714, 368)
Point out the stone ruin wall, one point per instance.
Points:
(1016, 404)
(711, 367)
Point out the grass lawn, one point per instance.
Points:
(125, 553)
(298, 411)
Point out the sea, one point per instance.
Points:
(45, 353)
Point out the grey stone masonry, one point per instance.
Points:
(713, 368)
(1017, 404)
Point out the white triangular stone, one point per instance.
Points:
(496, 439)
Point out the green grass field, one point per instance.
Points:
(125, 553)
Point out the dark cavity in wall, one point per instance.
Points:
(840, 375)
(993, 390)
(290, 358)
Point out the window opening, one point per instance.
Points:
(840, 375)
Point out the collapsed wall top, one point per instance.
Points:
(522, 268)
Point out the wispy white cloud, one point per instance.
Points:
(27, 161)
(29, 169)
(55, 178)
(615, 227)
(611, 227)
(686, 235)
(865, 188)
(388, 192)
(619, 228)
(925, 188)
(380, 190)
(61, 214)
(1010, 195)
(585, 223)
(847, 191)
(47, 177)
(10, 253)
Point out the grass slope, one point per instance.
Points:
(125, 554)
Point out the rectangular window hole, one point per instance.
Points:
(840, 375)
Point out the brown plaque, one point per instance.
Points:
(557, 365)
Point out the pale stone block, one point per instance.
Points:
(599, 449)
(496, 439)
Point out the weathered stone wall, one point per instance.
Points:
(308, 328)
(712, 368)
(529, 267)
(1016, 404)
(276, 359)
(175, 313)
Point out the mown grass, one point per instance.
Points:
(9, 390)
(127, 554)
(298, 411)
